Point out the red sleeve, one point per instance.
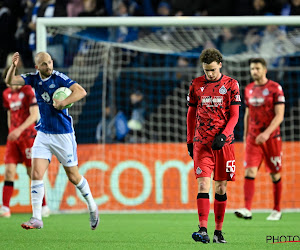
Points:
(279, 95)
(235, 94)
(191, 123)
(192, 98)
(5, 102)
(234, 117)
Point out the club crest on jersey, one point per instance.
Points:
(21, 95)
(223, 90)
(198, 170)
(202, 88)
(52, 86)
(265, 92)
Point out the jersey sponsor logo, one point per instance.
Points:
(256, 101)
(214, 101)
(198, 170)
(265, 92)
(237, 98)
(281, 98)
(223, 90)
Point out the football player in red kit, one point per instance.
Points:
(264, 112)
(213, 101)
(22, 111)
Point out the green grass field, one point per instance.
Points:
(145, 231)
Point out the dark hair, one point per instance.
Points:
(259, 60)
(211, 55)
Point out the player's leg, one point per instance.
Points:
(11, 159)
(64, 147)
(273, 152)
(41, 157)
(224, 171)
(45, 208)
(83, 186)
(8, 188)
(253, 159)
(203, 166)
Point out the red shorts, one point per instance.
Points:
(220, 162)
(271, 151)
(19, 151)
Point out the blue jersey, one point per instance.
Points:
(52, 121)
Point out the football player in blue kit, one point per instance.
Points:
(55, 133)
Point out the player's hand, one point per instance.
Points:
(15, 59)
(14, 135)
(218, 142)
(190, 147)
(262, 138)
(58, 104)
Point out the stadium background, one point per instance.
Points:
(145, 166)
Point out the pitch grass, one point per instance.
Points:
(145, 231)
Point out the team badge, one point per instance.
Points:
(198, 170)
(223, 90)
(52, 86)
(265, 92)
(202, 88)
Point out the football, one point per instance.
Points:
(61, 94)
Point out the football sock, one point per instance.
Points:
(84, 188)
(277, 188)
(249, 189)
(8, 189)
(203, 208)
(37, 194)
(219, 209)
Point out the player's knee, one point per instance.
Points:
(250, 172)
(203, 187)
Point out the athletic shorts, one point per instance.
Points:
(63, 146)
(220, 162)
(19, 151)
(270, 151)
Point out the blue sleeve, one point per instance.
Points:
(64, 81)
(29, 79)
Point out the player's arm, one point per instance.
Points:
(33, 115)
(276, 121)
(78, 93)
(191, 125)
(11, 78)
(8, 119)
(246, 123)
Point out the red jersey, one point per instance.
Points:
(213, 100)
(261, 100)
(18, 103)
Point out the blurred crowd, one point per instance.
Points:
(18, 18)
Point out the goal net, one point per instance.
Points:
(131, 127)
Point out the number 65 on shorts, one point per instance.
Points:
(220, 162)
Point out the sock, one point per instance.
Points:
(84, 188)
(8, 189)
(37, 194)
(249, 189)
(277, 188)
(203, 208)
(219, 209)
